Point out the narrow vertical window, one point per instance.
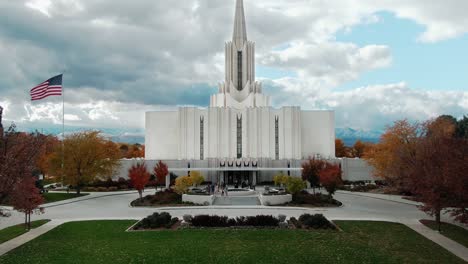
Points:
(239, 71)
(277, 137)
(239, 137)
(202, 138)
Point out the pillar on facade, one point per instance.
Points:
(254, 178)
(168, 181)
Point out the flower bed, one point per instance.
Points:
(156, 221)
(308, 221)
(315, 200)
(167, 197)
(224, 221)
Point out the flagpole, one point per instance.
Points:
(63, 131)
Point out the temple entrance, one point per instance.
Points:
(237, 177)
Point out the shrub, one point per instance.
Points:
(294, 221)
(280, 179)
(260, 220)
(123, 187)
(295, 185)
(317, 221)
(113, 189)
(157, 220)
(101, 189)
(210, 221)
(282, 218)
(187, 218)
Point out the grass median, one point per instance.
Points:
(17, 230)
(107, 242)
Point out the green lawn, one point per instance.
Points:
(56, 197)
(17, 230)
(106, 242)
(456, 233)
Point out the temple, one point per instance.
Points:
(240, 136)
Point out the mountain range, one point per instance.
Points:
(136, 135)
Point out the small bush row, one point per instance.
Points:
(157, 220)
(224, 221)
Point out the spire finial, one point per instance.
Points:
(240, 30)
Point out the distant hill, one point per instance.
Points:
(350, 136)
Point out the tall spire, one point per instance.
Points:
(240, 31)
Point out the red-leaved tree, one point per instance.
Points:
(311, 172)
(27, 199)
(330, 177)
(18, 157)
(139, 177)
(438, 172)
(161, 171)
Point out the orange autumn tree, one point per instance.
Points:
(46, 152)
(139, 177)
(386, 157)
(359, 148)
(341, 151)
(330, 177)
(87, 156)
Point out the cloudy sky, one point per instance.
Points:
(372, 61)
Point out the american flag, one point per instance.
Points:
(51, 87)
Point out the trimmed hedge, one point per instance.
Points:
(224, 221)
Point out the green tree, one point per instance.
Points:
(86, 156)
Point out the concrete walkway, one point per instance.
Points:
(450, 245)
(25, 238)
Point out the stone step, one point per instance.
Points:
(253, 200)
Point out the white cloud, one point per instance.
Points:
(329, 63)
(42, 6)
(374, 106)
(125, 57)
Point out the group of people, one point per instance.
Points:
(223, 189)
(218, 188)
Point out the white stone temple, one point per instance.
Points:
(240, 136)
